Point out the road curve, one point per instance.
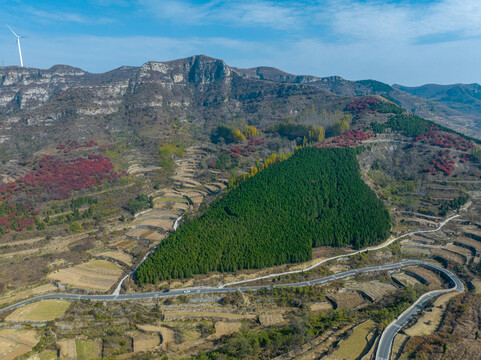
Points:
(209, 290)
(390, 332)
(387, 243)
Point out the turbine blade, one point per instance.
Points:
(13, 32)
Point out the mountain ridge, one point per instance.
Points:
(39, 106)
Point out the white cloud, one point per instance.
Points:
(407, 21)
(44, 16)
(349, 19)
(234, 13)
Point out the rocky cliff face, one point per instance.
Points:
(39, 108)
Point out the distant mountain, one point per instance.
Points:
(459, 104)
(454, 106)
(462, 97)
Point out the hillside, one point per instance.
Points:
(161, 100)
(315, 198)
(454, 106)
(156, 101)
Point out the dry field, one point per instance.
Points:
(428, 323)
(136, 234)
(124, 244)
(321, 306)
(88, 349)
(98, 275)
(353, 347)
(14, 343)
(44, 310)
(175, 206)
(176, 199)
(224, 328)
(347, 299)
(167, 335)
(160, 224)
(145, 342)
(373, 290)
(46, 355)
(117, 255)
(68, 349)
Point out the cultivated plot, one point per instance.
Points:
(99, 275)
(44, 310)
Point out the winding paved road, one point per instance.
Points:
(213, 290)
(387, 243)
(387, 337)
(390, 332)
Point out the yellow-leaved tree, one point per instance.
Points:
(238, 136)
(251, 131)
(343, 124)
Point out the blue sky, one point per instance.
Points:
(397, 41)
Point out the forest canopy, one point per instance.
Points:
(314, 198)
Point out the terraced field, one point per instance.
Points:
(354, 345)
(171, 203)
(45, 310)
(14, 343)
(405, 279)
(373, 290)
(429, 322)
(16, 296)
(166, 334)
(119, 256)
(97, 275)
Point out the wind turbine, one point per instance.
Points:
(18, 43)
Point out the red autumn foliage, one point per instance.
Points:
(72, 144)
(246, 150)
(362, 105)
(465, 158)
(445, 140)
(57, 178)
(14, 217)
(254, 141)
(346, 139)
(441, 162)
